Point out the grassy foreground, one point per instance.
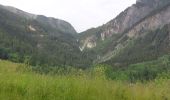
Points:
(18, 84)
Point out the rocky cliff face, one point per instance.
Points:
(155, 21)
(120, 39)
(127, 18)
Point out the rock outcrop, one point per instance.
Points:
(128, 18)
(127, 29)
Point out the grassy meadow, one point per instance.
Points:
(19, 83)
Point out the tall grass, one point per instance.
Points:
(16, 84)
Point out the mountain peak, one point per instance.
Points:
(57, 24)
(152, 2)
(148, 2)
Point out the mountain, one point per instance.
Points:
(48, 21)
(38, 40)
(137, 34)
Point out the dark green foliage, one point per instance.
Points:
(145, 71)
(93, 31)
(3, 53)
(45, 46)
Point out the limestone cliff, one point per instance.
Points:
(124, 20)
(125, 35)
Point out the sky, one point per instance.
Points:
(82, 14)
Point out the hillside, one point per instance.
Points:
(38, 39)
(138, 34)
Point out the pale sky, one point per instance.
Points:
(82, 14)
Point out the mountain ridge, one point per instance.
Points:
(113, 38)
(40, 41)
(51, 21)
(53, 42)
(126, 19)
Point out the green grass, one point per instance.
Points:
(18, 84)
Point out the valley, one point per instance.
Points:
(127, 58)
